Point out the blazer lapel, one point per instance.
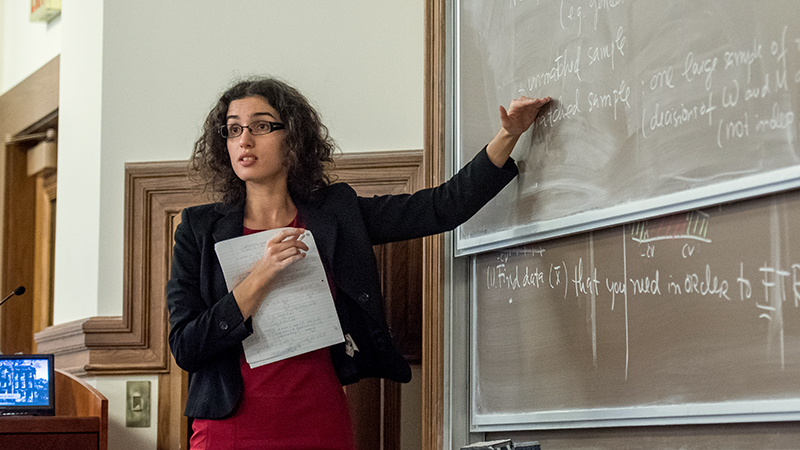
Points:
(231, 224)
(323, 227)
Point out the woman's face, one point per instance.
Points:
(256, 158)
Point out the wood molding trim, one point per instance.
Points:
(136, 342)
(380, 173)
(156, 192)
(33, 99)
(433, 246)
(46, 186)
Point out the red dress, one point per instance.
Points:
(295, 403)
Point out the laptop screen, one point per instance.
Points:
(27, 385)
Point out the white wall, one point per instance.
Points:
(25, 46)
(162, 65)
(79, 164)
(3, 28)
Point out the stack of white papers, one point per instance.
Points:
(298, 314)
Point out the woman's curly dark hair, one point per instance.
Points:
(307, 143)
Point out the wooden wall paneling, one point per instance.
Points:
(375, 410)
(366, 413)
(433, 247)
(402, 290)
(379, 173)
(136, 342)
(173, 426)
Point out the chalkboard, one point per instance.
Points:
(659, 106)
(688, 318)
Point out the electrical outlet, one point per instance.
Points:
(137, 404)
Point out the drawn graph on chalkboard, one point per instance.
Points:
(693, 226)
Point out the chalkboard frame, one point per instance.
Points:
(741, 188)
(645, 415)
(749, 187)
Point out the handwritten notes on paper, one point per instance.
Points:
(298, 315)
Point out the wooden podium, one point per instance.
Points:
(81, 421)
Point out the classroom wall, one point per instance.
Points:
(3, 28)
(25, 46)
(145, 73)
(136, 81)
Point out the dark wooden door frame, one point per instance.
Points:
(433, 317)
(27, 107)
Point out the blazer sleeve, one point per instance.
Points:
(202, 328)
(391, 218)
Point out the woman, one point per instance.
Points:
(264, 150)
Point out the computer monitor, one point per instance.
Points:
(27, 385)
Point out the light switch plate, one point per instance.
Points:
(137, 404)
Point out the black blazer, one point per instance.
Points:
(207, 328)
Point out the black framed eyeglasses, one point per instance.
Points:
(234, 130)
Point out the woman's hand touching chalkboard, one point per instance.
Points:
(519, 117)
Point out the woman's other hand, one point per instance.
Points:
(281, 251)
